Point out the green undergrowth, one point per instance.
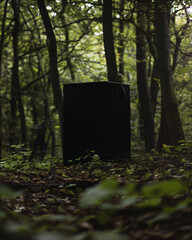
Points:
(143, 198)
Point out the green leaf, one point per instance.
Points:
(2, 215)
(53, 217)
(184, 70)
(112, 235)
(7, 193)
(97, 194)
(161, 216)
(128, 201)
(150, 203)
(165, 188)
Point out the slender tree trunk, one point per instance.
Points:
(121, 47)
(16, 6)
(43, 86)
(179, 38)
(54, 75)
(154, 85)
(68, 59)
(170, 113)
(15, 85)
(164, 134)
(34, 111)
(50, 122)
(69, 64)
(13, 101)
(155, 81)
(1, 54)
(142, 79)
(0, 128)
(109, 42)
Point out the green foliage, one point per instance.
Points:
(98, 194)
(148, 195)
(161, 189)
(183, 148)
(154, 193)
(7, 193)
(184, 70)
(19, 161)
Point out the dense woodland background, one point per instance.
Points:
(44, 45)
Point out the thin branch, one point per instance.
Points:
(32, 50)
(181, 51)
(34, 81)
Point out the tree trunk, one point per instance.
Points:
(155, 81)
(154, 85)
(142, 80)
(43, 86)
(121, 47)
(164, 136)
(1, 54)
(69, 64)
(15, 75)
(68, 59)
(15, 86)
(179, 37)
(108, 41)
(0, 128)
(170, 109)
(54, 75)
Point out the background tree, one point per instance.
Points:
(121, 43)
(15, 85)
(40, 129)
(67, 39)
(54, 75)
(170, 128)
(108, 41)
(142, 78)
(179, 34)
(2, 39)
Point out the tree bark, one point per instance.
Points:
(170, 113)
(142, 79)
(155, 80)
(69, 64)
(68, 59)
(109, 42)
(47, 114)
(179, 37)
(15, 86)
(121, 48)
(1, 54)
(13, 101)
(154, 85)
(54, 75)
(164, 135)
(0, 128)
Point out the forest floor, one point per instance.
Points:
(146, 198)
